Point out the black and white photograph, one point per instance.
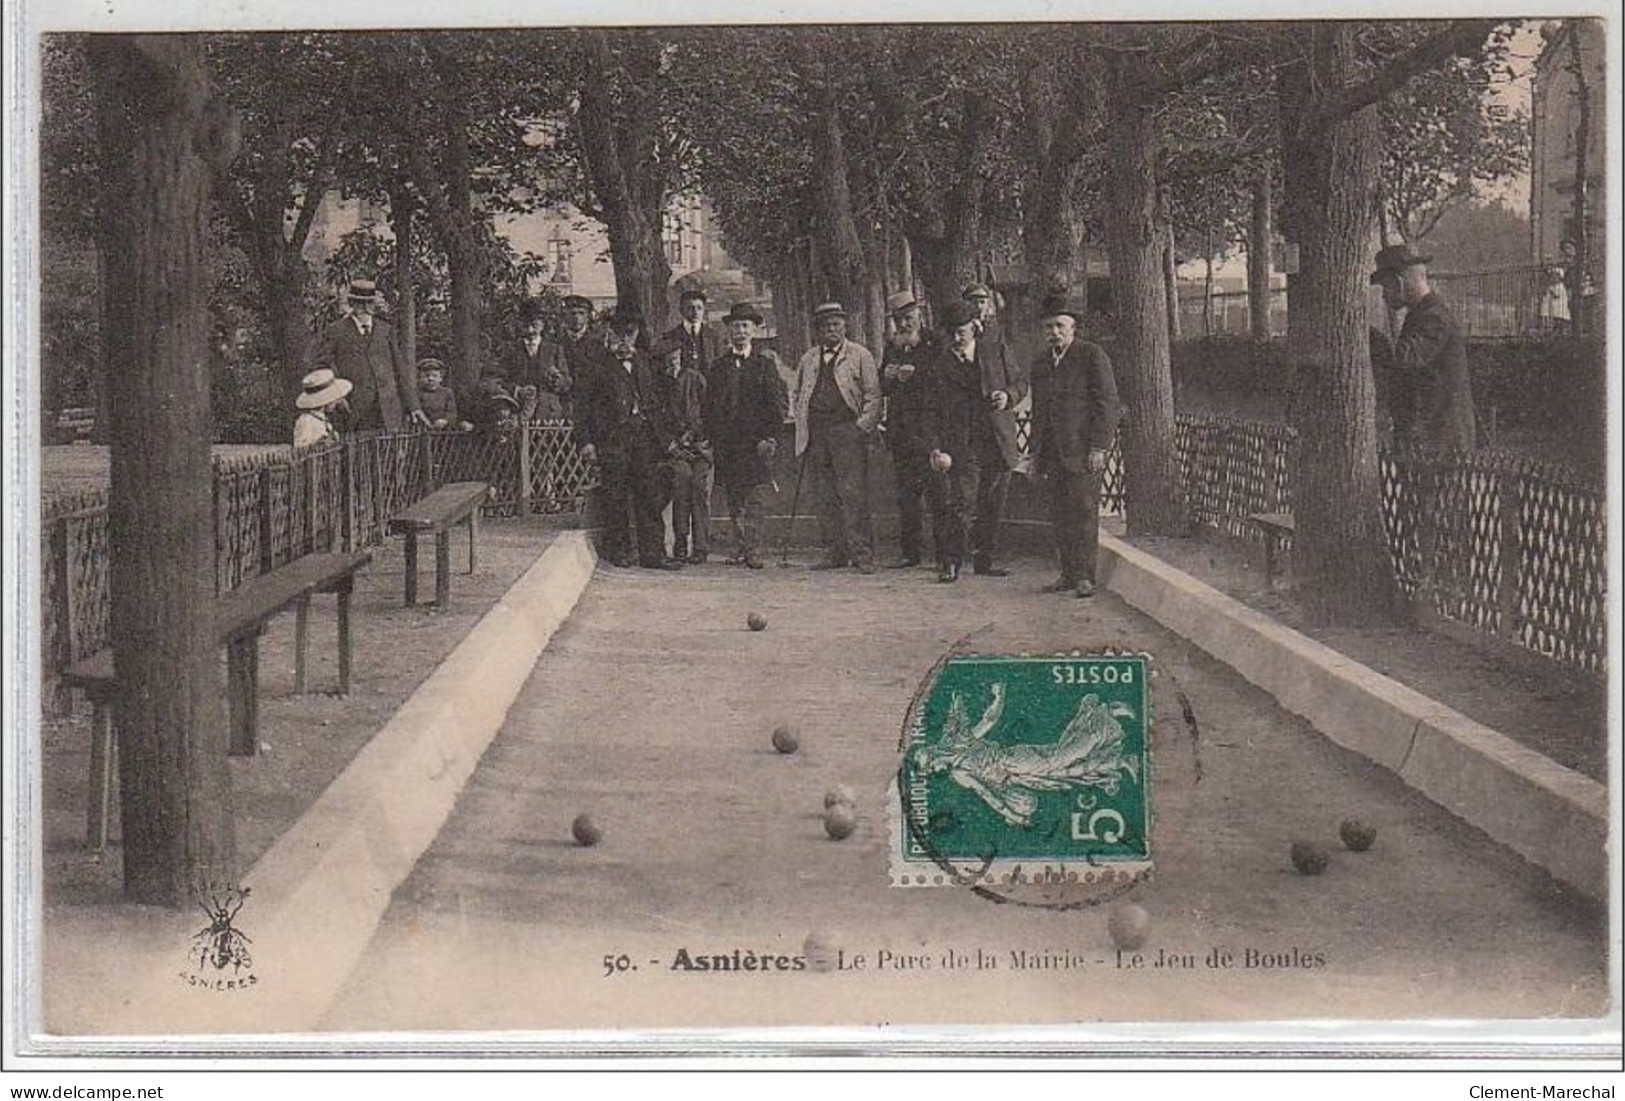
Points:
(812, 535)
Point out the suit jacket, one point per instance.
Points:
(606, 398)
(1002, 371)
(856, 377)
(548, 370)
(958, 418)
(1075, 406)
(744, 405)
(385, 386)
(907, 400)
(1431, 359)
(698, 354)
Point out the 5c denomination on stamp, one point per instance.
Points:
(1026, 770)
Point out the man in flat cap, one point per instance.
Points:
(745, 403)
(902, 381)
(1005, 385)
(837, 409)
(1075, 411)
(361, 348)
(1434, 406)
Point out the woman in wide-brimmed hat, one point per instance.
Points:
(322, 393)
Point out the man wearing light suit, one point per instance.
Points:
(362, 349)
(837, 410)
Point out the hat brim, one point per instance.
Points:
(327, 395)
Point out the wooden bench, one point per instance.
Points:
(1277, 528)
(439, 512)
(240, 619)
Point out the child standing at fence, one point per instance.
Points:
(322, 395)
(438, 400)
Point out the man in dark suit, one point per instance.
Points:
(745, 404)
(1075, 410)
(361, 348)
(692, 339)
(1005, 385)
(537, 370)
(903, 382)
(621, 425)
(1430, 358)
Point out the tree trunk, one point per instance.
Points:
(840, 247)
(632, 205)
(402, 211)
(1170, 284)
(465, 259)
(1340, 552)
(1579, 308)
(1259, 260)
(156, 115)
(1156, 503)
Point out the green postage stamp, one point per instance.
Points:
(1025, 770)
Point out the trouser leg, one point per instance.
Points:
(702, 474)
(909, 472)
(821, 469)
(992, 492)
(849, 460)
(956, 503)
(682, 505)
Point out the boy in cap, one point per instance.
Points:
(837, 408)
(745, 404)
(437, 400)
(322, 394)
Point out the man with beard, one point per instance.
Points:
(1075, 410)
(903, 383)
(745, 404)
(962, 440)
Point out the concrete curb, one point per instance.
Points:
(320, 891)
(1551, 815)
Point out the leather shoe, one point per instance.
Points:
(948, 573)
(992, 571)
(866, 568)
(624, 561)
(662, 564)
(1086, 588)
(828, 564)
(698, 558)
(1060, 585)
(753, 563)
(905, 564)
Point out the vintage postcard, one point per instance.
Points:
(1004, 537)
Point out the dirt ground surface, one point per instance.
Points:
(1561, 717)
(305, 741)
(652, 711)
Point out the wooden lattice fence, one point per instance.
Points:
(270, 509)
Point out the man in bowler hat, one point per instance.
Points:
(1429, 358)
(1075, 410)
(745, 403)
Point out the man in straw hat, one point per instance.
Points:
(361, 348)
(1434, 401)
(837, 408)
(1075, 411)
(745, 403)
(902, 380)
(322, 394)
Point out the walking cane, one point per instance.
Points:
(795, 509)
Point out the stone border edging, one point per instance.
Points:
(1552, 816)
(321, 889)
